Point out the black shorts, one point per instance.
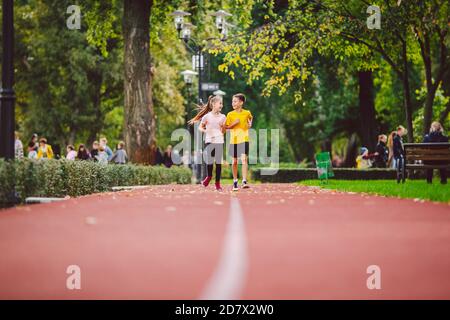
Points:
(236, 150)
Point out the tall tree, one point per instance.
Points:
(281, 45)
(367, 109)
(139, 122)
(432, 30)
(64, 86)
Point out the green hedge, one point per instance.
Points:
(58, 178)
(228, 174)
(298, 174)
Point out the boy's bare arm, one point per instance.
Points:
(232, 124)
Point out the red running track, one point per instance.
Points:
(273, 241)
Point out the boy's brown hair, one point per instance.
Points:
(240, 96)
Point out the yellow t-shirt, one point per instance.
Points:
(239, 133)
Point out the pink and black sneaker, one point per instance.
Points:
(206, 181)
(218, 187)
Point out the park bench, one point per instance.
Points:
(417, 153)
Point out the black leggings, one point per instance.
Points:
(218, 171)
(210, 150)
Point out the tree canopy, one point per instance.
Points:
(306, 67)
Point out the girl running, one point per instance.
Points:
(212, 124)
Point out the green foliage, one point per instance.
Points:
(69, 82)
(58, 178)
(440, 103)
(413, 189)
(281, 45)
(103, 23)
(7, 178)
(388, 103)
(64, 84)
(169, 59)
(75, 77)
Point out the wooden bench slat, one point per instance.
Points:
(427, 166)
(429, 157)
(427, 151)
(432, 144)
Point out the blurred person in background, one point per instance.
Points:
(104, 144)
(436, 135)
(167, 159)
(71, 153)
(83, 153)
(94, 151)
(381, 152)
(120, 156)
(18, 146)
(45, 150)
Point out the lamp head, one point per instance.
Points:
(178, 17)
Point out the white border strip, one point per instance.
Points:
(228, 280)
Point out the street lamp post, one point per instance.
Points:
(188, 76)
(184, 30)
(7, 95)
(198, 64)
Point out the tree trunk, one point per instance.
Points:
(72, 135)
(444, 114)
(432, 83)
(351, 152)
(326, 145)
(96, 81)
(139, 126)
(367, 110)
(431, 92)
(407, 94)
(443, 117)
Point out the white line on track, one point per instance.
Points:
(228, 280)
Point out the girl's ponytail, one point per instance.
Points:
(202, 110)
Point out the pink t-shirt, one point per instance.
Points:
(71, 155)
(213, 123)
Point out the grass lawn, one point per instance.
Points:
(415, 189)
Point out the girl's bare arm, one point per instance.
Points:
(202, 127)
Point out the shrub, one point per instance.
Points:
(298, 174)
(6, 180)
(58, 178)
(228, 174)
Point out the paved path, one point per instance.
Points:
(273, 241)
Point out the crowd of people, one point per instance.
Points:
(39, 148)
(389, 152)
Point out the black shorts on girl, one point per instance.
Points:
(213, 152)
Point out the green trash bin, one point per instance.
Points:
(324, 167)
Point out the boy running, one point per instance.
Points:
(239, 121)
